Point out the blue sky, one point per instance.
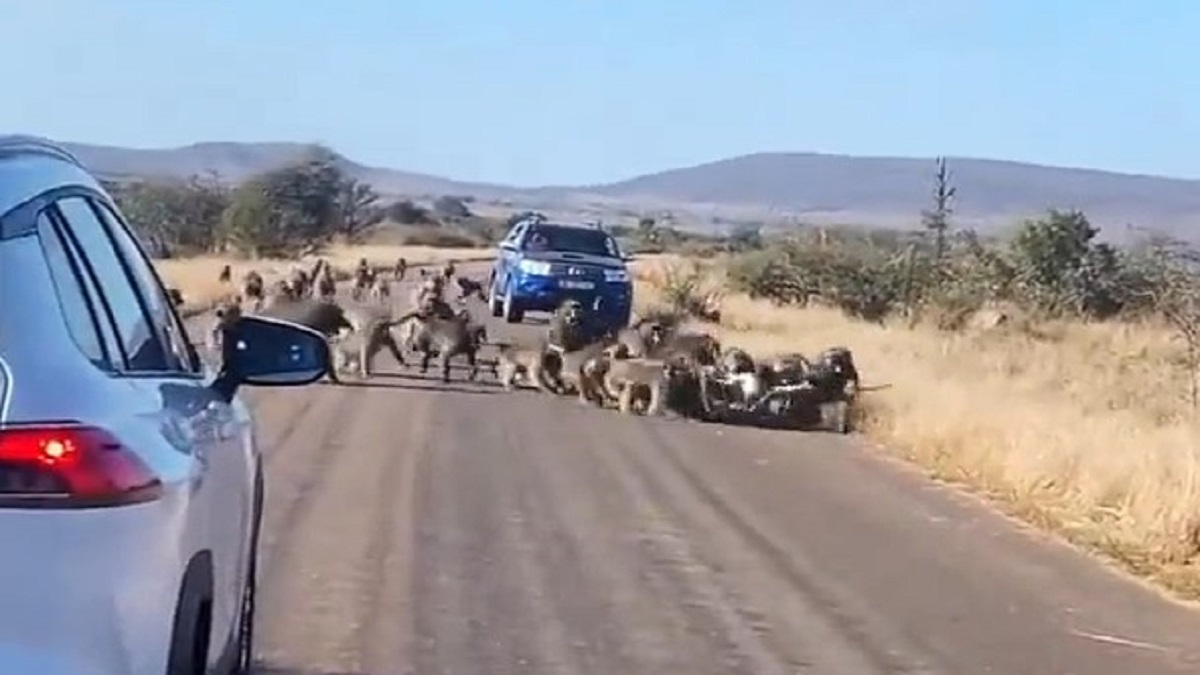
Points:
(571, 91)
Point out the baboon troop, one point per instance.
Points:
(651, 366)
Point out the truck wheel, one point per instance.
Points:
(511, 310)
(495, 302)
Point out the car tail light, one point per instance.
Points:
(70, 466)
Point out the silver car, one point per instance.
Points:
(131, 489)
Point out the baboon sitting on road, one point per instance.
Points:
(541, 366)
(583, 371)
(630, 377)
(226, 274)
(566, 327)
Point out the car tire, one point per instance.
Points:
(495, 302)
(511, 310)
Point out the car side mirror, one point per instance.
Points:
(265, 352)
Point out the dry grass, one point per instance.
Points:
(196, 278)
(1080, 429)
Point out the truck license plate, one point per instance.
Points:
(581, 285)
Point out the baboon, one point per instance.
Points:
(224, 315)
(539, 364)
(690, 349)
(226, 275)
(300, 283)
(427, 304)
(583, 371)
(374, 334)
(175, 296)
(468, 287)
(637, 337)
(566, 327)
(381, 290)
(629, 377)
(253, 288)
(400, 269)
(326, 285)
(835, 373)
(364, 276)
(448, 270)
(736, 361)
(786, 369)
(427, 290)
(445, 339)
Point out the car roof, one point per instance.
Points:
(575, 226)
(29, 165)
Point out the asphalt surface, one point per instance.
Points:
(420, 527)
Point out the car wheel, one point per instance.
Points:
(511, 310)
(495, 302)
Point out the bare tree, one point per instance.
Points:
(937, 219)
(1174, 282)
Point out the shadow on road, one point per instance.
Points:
(268, 669)
(434, 386)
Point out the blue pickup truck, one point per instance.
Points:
(542, 264)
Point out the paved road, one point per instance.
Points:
(416, 527)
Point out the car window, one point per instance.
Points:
(570, 239)
(515, 236)
(73, 299)
(140, 342)
(152, 288)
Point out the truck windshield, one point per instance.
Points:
(570, 240)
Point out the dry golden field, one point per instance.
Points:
(1081, 429)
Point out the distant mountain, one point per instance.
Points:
(877, 189)
(235, 162)
(809, 187)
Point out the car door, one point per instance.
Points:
(508, 258)
(180, 412)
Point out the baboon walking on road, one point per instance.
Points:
(445, 339)
(373, 335)
(253, 289)
(400, 269)
(364, 277)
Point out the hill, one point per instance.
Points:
(809, 187)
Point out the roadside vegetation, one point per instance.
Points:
(1054, 372)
